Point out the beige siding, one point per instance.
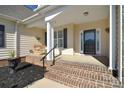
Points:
(118, 40)
(28, 39)
(9, 38)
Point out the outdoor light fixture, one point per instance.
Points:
(107, 29)
(85, 13)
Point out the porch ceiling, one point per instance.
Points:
(74, 14)
(18, 12)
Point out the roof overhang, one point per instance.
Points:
(72, 14)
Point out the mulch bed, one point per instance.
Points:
(25, 74)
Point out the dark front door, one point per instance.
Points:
(90, 41)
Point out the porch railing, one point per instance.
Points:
(43, 58)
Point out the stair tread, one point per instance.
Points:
(85, 74)
(81, 75)
(84, 66)
(73, 81)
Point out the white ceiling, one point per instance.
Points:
(16, 11)
(74, 14)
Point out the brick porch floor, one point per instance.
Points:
(81, 75)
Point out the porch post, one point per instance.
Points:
(16, 39)
(49, 40)
(52, 39)
(112, 37)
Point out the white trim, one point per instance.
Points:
(10, 18)
(120, 44)
(82, 31)
(48, 18)
(112, 39)
(16, 39)
(57, 38)
(98, 52)
(49, 56)
(81, 51)
(52, 39)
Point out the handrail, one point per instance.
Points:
(47, 54)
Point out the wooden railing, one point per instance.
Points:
(43, 58)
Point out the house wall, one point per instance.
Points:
(118, 63)
(123, 53)
(122, 47)
(73, 37)
(26, 38)
(70, 38)
(9, 38)
(101, 24)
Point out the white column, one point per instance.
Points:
(112, 37)
(52, 39)
(16, 39)
(120, 34)
(49, 43)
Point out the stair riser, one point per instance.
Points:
(81, 75)
(80, 83)
(87, 74)
(86, 67)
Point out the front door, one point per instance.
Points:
(90, 41)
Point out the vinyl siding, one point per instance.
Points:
(123, 54)
(9, 38)
(118, 40)
(123, 49)
(27, 39)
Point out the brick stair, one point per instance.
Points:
(81, 75)
(91, 67)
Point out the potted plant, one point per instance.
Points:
(12, 61)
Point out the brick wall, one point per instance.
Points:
(4, 62)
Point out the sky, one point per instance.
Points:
(32, 7)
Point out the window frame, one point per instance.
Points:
(3, 36)
(59, 38)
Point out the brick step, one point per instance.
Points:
(75, 81)
(82, 73)
(90, 67)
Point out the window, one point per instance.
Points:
(97, 40)
(1, 35)
(59, 39)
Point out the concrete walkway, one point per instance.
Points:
(46, 83)
(82, 58)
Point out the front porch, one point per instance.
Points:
(85, 59)
(85, 45)
(82, 57)
(67, 73)
(85, 31)
(81, 75)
